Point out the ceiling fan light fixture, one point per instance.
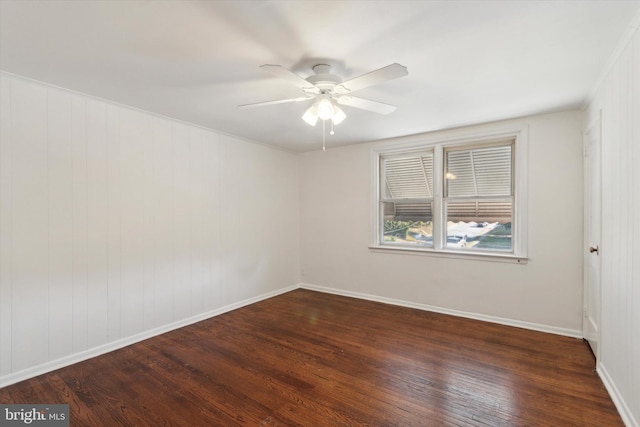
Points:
(325, 108)
(311, 115)
(338, 115)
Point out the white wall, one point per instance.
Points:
(618, 98)
(544, 294)
(116, 224)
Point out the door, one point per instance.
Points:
(592, 222)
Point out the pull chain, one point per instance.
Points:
(324, 126)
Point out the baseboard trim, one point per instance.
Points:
(574, 333)
(43, 368)
(623, 409)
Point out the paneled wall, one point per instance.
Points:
(618, 98)
(116, 224)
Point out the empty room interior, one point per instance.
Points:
(320, 213)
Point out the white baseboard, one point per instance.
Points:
(621, 406)
(43, 368)
(574, 333)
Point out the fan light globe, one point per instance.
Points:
(325, 109)
(338, 115)
(311, 115)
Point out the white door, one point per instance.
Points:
(591, 320)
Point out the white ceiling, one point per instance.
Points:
(468, 61)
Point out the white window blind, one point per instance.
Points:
(479, 172)
(478, 184)
(408, 177)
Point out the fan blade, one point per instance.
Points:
(366, 104)
(291, 77)
(277, 101)
(383, 74)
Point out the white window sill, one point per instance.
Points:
(478, 256)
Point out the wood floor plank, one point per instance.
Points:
(312, 359)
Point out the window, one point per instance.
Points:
(407, 198)
(478, 197)
(463, 196)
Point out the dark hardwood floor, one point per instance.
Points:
(313, 359)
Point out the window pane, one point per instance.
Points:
(478, 172)
(408, 177)
(408, 224)
(479, 225)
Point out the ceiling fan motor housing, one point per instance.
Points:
(323, 79)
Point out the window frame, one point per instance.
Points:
(422, 143)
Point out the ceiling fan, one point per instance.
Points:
(328, 89)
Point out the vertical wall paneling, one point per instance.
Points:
(226, 204)
(97, 223)
(154, 235)
(242, 217)
(80, 221)
(163, 222)
(626, 232)
(212, 220)
(114, 213)
(627, 209)
(609, 332)
(111, 224)
(183, 224)
(60, 154)
(29, 224)
(197, 145)
(192, 217)
(149, 250)
(5, 227)
(132, 163)
(610, 217)
(609, 151)
(619, 289)
(619, 99)
(634, 331)
(631, 117)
